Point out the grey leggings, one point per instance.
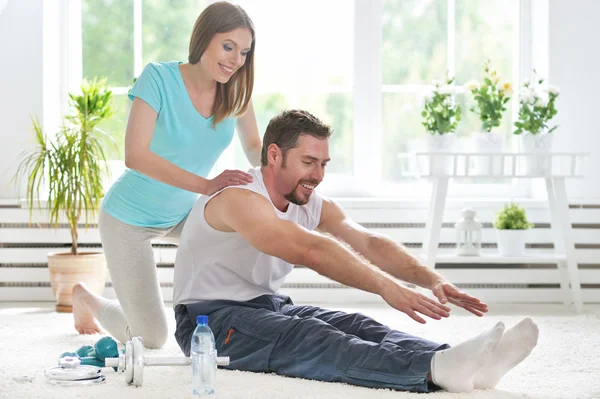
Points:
(140, 310)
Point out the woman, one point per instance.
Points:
(181, 120)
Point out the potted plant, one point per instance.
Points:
(536, 109)
(71, 165)
(441, 115)
(490, 104)
(511, 224)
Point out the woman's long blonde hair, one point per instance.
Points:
(233, 97)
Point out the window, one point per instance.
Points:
(424, 39)
(363, 66)
(120, 37)
(304, 60)
(107, 51)
(305, 68)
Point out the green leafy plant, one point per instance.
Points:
(490, 97)
(440, 113)
(536, 107)
(512, 217)
(72, 162)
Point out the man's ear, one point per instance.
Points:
(274, 154)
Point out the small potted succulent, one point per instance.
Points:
(511, 225)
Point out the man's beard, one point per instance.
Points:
(293, 196)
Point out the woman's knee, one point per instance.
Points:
(155, 337)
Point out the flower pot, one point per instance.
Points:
(66, 270)
(440, 164)
(511, 242)
(488, 142)
(541, 144)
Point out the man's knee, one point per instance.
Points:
(183, 336)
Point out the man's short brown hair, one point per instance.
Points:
(285, 129)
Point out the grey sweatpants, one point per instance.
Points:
(139, 310)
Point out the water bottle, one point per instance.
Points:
(204, 359)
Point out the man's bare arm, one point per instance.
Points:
(252, 216)
(393, 258)
(378, 249)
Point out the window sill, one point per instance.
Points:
(345, 186)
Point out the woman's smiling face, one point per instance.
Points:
(226, 53)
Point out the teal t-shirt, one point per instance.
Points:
(181, 136)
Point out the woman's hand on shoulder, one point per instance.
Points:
(226, 179)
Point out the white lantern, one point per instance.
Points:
(468, 234)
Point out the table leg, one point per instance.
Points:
(434, 219)
(557, 194)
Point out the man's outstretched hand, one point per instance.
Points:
(411, 302)
(447, 292)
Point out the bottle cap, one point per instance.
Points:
(203, 320)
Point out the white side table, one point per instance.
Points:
(560, 166)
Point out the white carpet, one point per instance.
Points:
(565, 364)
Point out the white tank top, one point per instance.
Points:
(212, 264)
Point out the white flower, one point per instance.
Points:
(446, 89)
(537, 93)
(427, 97)
(472, 85)
(527, 95)
(506, 87)
(437, 83)
(495, 77)
(553, 89)
(448, 101)
(542, 102)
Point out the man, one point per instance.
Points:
(239, 244)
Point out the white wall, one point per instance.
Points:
(574, 62)
(21, 94)
(573, 66)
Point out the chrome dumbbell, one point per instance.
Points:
(133, 361)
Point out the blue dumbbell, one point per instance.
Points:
(91, 356)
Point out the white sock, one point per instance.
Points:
(453, 369)
(516, 344)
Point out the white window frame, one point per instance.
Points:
(368, 87)
(371, 67)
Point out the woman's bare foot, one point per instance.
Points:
(85, 310)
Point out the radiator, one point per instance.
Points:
(24, 246)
